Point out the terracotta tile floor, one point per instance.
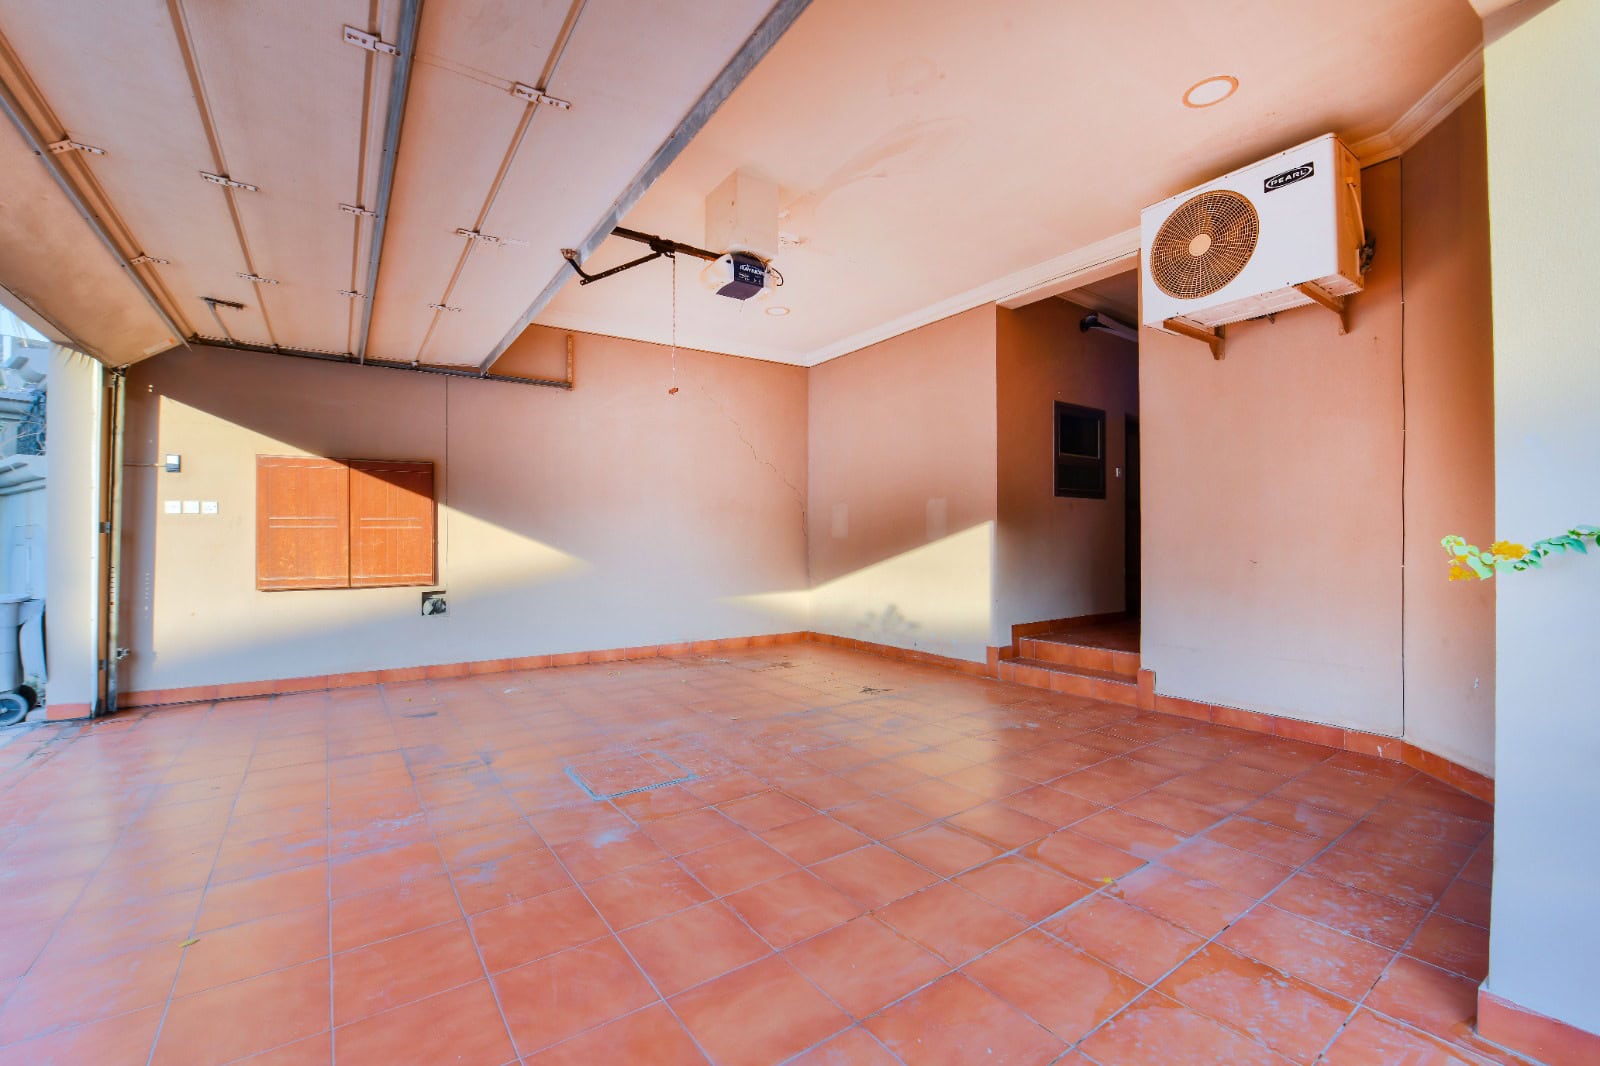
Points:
(869, 862)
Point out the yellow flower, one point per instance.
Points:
(1506, 549)
(1459, 571)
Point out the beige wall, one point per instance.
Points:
(1543, 90)
(1449, 471)
(614, 515)
(1057, 557)
(1291, 558)
(902, 489)
(1271, 504)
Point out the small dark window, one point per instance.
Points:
(1080, 452)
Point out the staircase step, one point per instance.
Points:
(1091, 684)
(1061, 652)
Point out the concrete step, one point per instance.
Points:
(1092, 684)
(1061, 651)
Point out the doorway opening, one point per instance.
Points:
(1069, 540)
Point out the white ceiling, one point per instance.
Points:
(926, 148)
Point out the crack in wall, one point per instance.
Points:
(738, 429)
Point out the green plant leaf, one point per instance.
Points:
(1478, 567)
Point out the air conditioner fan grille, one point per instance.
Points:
(1204, 244)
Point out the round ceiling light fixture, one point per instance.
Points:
(777, 311)
(1209, 91)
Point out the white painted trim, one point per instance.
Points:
(1060, 274)
(1091, 262)
(1088, 264)
(1451, 91)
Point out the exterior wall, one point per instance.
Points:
(902, 489)
(1057, 557)
(612, 515)
(1449, 472)
(1271, 504)
(1543, 93)
(72, 573)
(23, 521)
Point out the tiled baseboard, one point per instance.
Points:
(1533, 1034)
(1391, 748)
(1394, 749)
(322, 682)
(63, 712)
(904, 655)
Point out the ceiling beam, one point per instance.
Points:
(399, 84)
(754, 49)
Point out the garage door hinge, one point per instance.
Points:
(488, 238)
(157, 260)
(370, 41)
(228, 183)
(528, 92)
(257, 278)
(357, 209)
(442, 307)
(62, 147)
(105, 527)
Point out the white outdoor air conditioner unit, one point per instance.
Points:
(1241, 246)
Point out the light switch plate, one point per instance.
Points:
(174, 463)
(191, 506)
(173, 506)
(208, 506)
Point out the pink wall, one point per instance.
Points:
(1295, 493)
(1057, 557)
(612, 515)
(1449, 364)
(1271, 500)
(902, 488)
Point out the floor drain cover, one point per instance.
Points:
(623, 775)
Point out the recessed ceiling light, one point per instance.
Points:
(1208, 91)
(777, 311)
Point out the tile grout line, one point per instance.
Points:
(1361, 1004)
(194, 925)
(433, 835)
(1135, 713)
(1129, 715)
(1301, 868)
(327, 752)
(872, 912)
(611, 931)
(72, 908)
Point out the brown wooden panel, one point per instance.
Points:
(391, 523)
(302, 523)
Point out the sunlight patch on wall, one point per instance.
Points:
(937, 598)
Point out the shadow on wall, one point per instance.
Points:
(609, 516)
(935, 598)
